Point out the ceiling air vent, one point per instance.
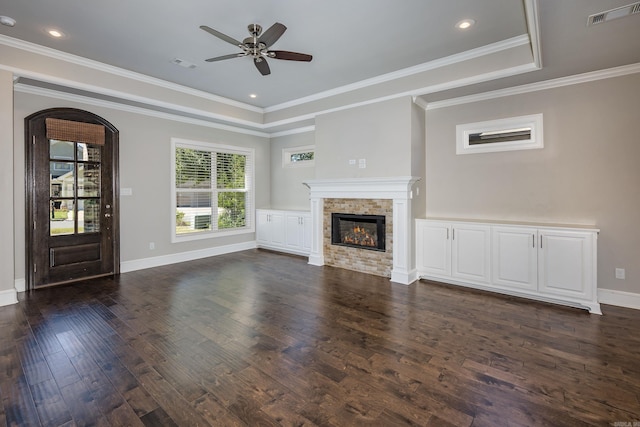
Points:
(608, 15)
(183, 63)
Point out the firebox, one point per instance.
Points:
(358, 231)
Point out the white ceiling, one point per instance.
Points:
(350, 40)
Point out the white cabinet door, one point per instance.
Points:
(433, 248)
(471, 252)
(270, 227)
(276, 224)
(298, 231)
(293, 231)
(515, 257)
(263, 230)
(565, 263)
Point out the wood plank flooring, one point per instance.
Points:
(258, 338)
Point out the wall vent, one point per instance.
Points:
(608, 15)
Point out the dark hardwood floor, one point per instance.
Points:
(259, 338)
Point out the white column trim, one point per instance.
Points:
(316, 257)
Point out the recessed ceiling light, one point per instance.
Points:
(465, 24)
(253, 95)
(55, 33)
(8, 21)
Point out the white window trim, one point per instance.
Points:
(211, 234)
(288, 151)
(533, 121)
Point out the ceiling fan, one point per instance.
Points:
(257, 46)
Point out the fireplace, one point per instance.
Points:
(358, 231)
(388, 196)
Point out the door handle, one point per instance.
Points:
(107, 215)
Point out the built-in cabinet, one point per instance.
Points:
(461, 251)
(283, 230)
(554, 264)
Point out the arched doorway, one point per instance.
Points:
(72, 215)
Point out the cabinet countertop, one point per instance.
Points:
(515, 223)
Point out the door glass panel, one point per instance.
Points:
(88, 216)
(62, 150)
(61, 179)
(61, 215)
(88, 152)
(88, 180)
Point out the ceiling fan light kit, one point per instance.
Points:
(257, 46)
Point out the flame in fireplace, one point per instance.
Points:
(359, 236)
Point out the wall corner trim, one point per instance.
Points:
(619, 298)
(20, 285)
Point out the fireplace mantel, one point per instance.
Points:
(362, 188)
(398, 189)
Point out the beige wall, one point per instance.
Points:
(287, 190)
(587, 173)
(379, 133)
(7, 294)
(145, 168)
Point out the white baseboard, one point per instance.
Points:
(140, 264)
(619, 298)
(404, 278)
(20, 285)
(316, 260)
(8, 297)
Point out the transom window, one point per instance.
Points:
(212, 190)
(513, 133)
(298, 156)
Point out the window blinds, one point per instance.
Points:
(212, 189)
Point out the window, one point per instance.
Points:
(515, 133)
(298, 156)
(212, 190)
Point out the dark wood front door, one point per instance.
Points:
(72, 213)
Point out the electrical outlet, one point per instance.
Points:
(620, 273)
(152, 245)
(362, 163)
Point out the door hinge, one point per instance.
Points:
(34, 225)
(35, 268)
(34, 140)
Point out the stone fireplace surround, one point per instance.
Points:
(358, 259)
(397, 189)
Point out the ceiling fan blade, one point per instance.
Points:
(290, 56)
(230, 56)
(272, 34)
(221, 36)
(262, 66)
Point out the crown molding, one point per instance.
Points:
(533, 25)
(305, 129)
(126, 96)
(121, 72)
(420, 102)
(543, 85)
(431, 65)
(50, 93)
(414, 93)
